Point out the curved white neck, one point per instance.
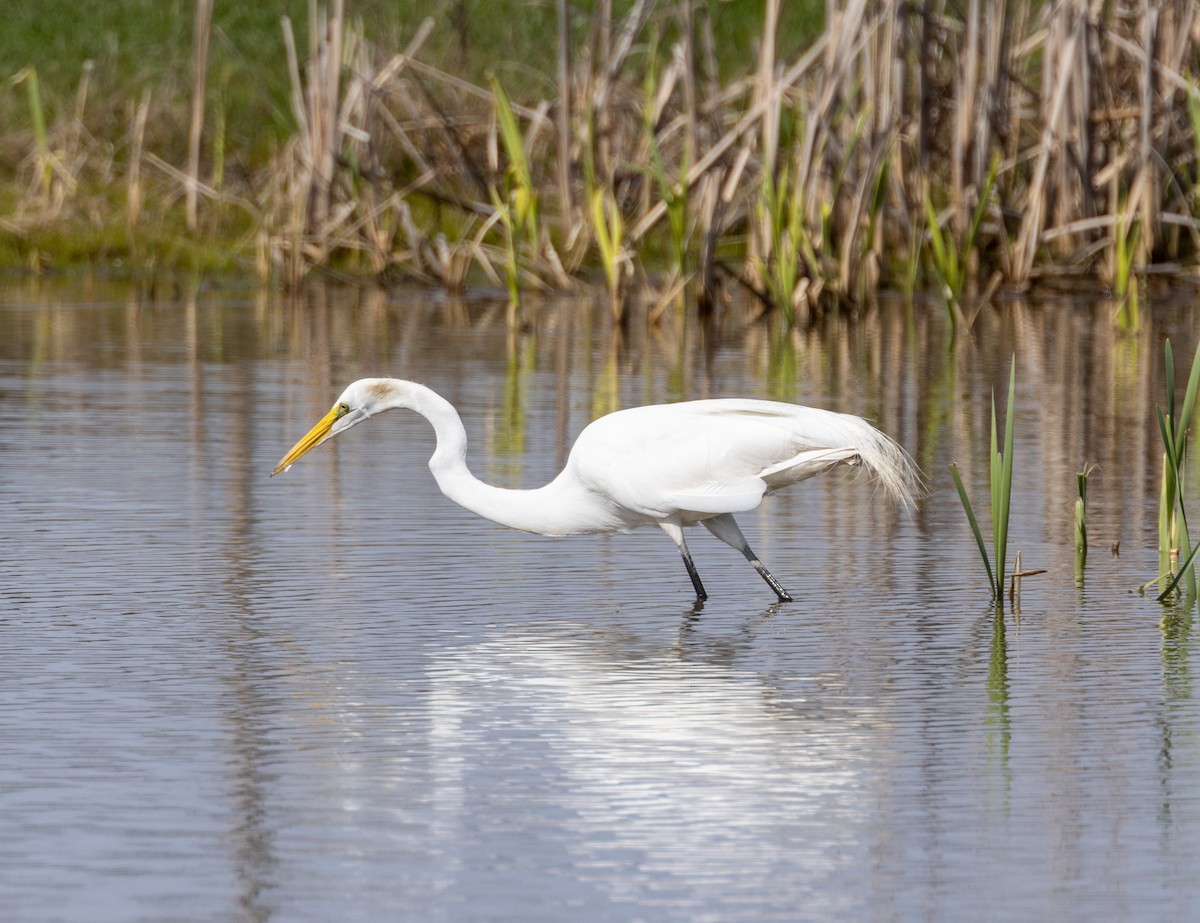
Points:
(559, 508)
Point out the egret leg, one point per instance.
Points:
(676, 532)
(725, 528)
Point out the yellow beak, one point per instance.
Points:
(313, 438)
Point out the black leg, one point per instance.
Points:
(725, 528)
(676, 533)
(784, 595)
(693, 573)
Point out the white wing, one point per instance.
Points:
(721, 456)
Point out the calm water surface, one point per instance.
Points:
(335, 695)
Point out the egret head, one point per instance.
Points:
(361, 400)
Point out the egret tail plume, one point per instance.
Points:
(889, 464)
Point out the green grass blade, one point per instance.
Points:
(1166, 429)
(1172, 476)
(966, 502)
(995, 473)
(1081, 483)
(1166, 508)
(1169, 374)
(510, 132)
(1161, 597)
(1173, 531)
(1186, 551)
(1189, 405)
(1004, 500)
(985, 196)
(941, 252)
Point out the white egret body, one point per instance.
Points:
(670, 465)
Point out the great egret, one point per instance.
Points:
(670, 465)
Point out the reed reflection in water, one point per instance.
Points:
(336, 695)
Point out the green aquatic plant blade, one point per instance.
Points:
(1169, 375)
(985, 196)
(1081, 483)
(510, 133)
(1182, 535)
(1173, 531)
(1166, 429)
(608, 227)
(1182, 428)
(945, 258)
(673, 194)
(1000, 475)
(1166, 499)
(995, 472)
(1189, 400)
(1002, 464)
(1161, 597)
(966, 503)
(1009, 435)
(522, 193)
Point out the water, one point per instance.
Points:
(335, 695)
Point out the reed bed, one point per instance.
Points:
(956, 147)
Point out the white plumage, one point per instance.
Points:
(670, 465)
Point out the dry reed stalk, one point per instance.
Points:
(602, 85)
(322, 212)
(563, 119)
(687, 49)
(295, 174)
(181, 180)
(716, 153)
(200, 39)
(325, 58)
(765, 99)
(1080, 102)
(1146, 194)
(62, 154)
(1060, 63)
(137, 137)
(967, 104)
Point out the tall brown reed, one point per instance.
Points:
(1087, 112)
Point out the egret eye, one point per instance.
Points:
(342, 409)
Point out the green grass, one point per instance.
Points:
(137, 44)
(1173, 533)
(1081, 483)
(948, 257)
(140, 46)
(148, 43)
(1000, 481)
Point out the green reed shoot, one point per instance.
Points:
(522, 192)
(674, 196)
(1193, 106)
(512, 266)
(782, 203)
(609, 227)
(518, 207)
(944, 255)
(607, 222)
(1000, 480)
(1081, 541)
(37, 115)
(1126, 230)
(874, 213)
(949, 258)
(1081, 482)
(1173, 535)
